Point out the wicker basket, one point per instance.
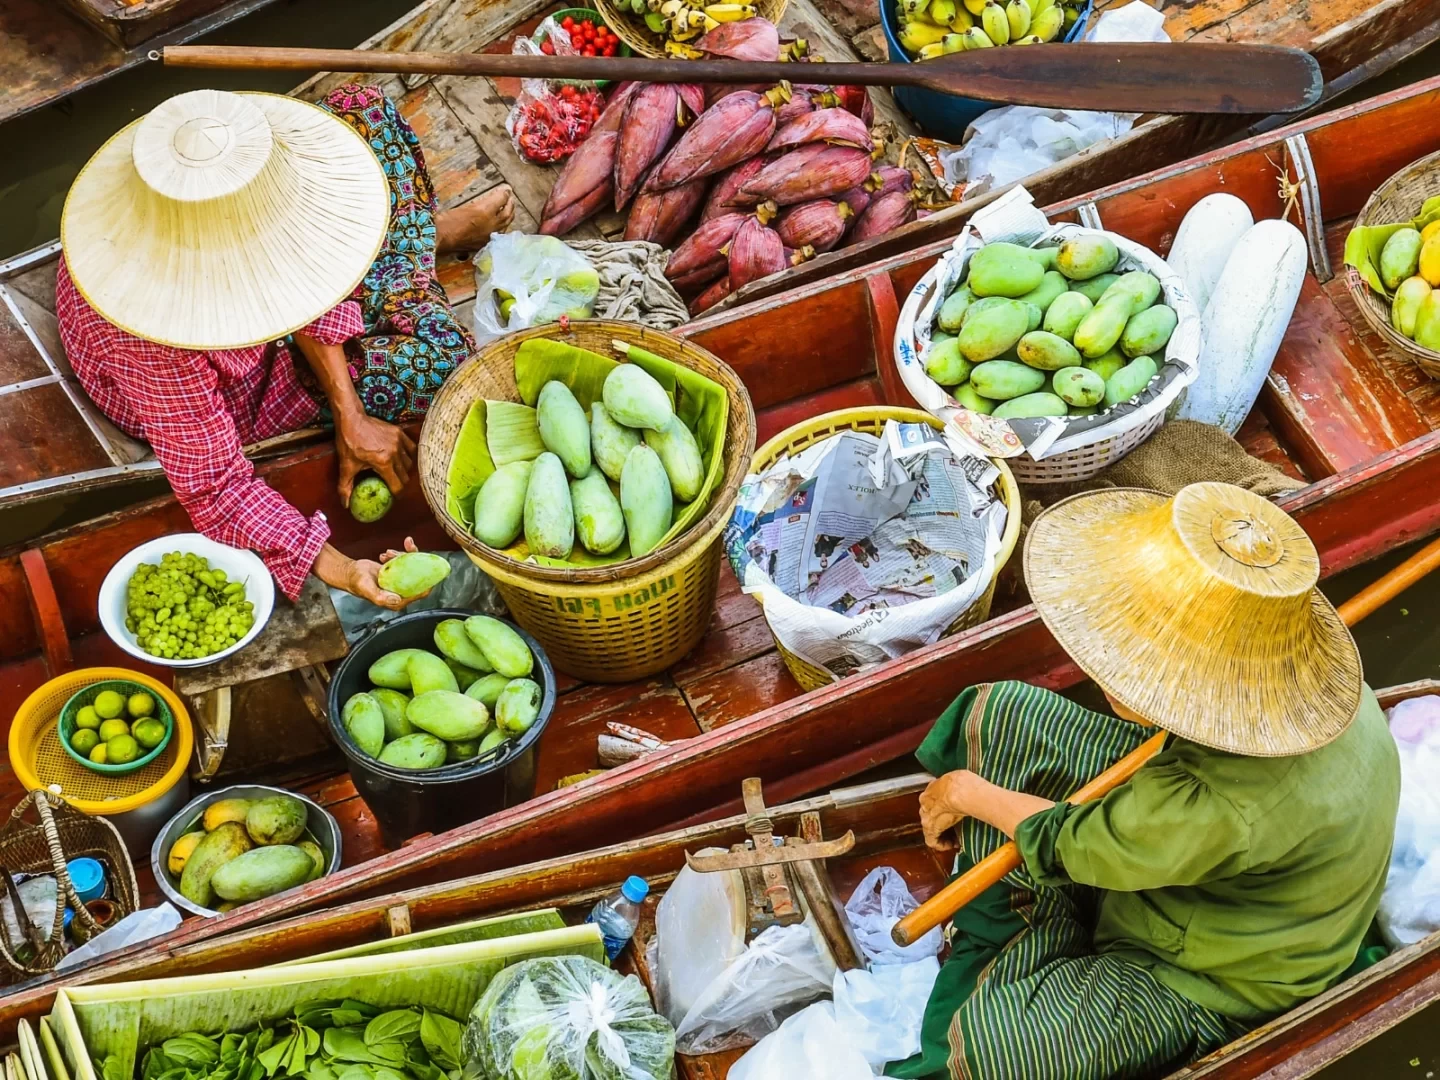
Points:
(62, 834)
(871, 420)
(610, 623)
(631, 29)
(1397, 199)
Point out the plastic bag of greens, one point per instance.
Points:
(566, 1018)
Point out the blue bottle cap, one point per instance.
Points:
(69, 917)
(88, 877)
(635, 889)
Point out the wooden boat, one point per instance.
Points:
(884, 819)
(57, 443)
(1339, 411)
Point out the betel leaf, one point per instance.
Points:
(441, 1037)
(192, 1049)
(348, 1045)
(278, 1055)
(397, 1024)
(356, 1072)
(113, 1069)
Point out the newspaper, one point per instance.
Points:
(864, 548)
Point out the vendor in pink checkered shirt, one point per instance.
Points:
(238, 266)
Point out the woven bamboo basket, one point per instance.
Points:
(61, 834)
(871, 420)
(610, 623)
(631, 29)
(1397, 199)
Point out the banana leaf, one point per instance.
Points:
(1364, 243)
(528, 922)
(51, 1046)
(470, 466)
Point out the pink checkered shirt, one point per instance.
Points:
(197, 410)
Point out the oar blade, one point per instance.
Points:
(1134, 77)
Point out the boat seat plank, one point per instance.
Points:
(855, 394)
(741, 691)
(37, 283)
(725, 647)
(458, 170)
(20, 360)
(42, 435)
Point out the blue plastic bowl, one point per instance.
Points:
(943, 116)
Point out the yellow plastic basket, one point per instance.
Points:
(611, 623)
(40, 761)
(871, 420)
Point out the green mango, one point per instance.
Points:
(429, 672)
(503, 647)
(646, 500)
(1108, 364)
(1129, 380)
(461, 750)
(1139, 288)
(680, 454)
(464, 676)
(946, 364)
(598, 521)
(1400, 257)
(1095, 288)
(563, 427)
(486, 689)
(492, 740)
(610, 443)
(1078, 386)
(1065, 313)
(634, 398)
(1030, 405)
(393, 703)
(1047, 256)
(500, 504)
(1052, 286)
(418, 751)
(1146, 333)
(262, 872)
(549, 516)
(1084, 257)
(1001, 380)
(1046, 351)
(967, 398)
(1427, 322)
(984, 304)
(1405, 308)
(455, 644)
(1101, 329)
(1004, 270)
(448, 715)
(225, 842)
(364, 719)
(989, 333)
(413, 573)
(1087, 410)
(1036, 315)
(952, 311)
(393, 669)
(518, 707)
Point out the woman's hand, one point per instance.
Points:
(362, 442)
(944, 804)
(361, 577)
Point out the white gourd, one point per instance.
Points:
(1207, 236)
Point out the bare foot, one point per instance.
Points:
(468, 227)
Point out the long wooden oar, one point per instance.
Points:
(1140, 77)
(944, 904)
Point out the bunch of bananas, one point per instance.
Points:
(682, 21)
(930, 28)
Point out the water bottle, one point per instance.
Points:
(618, 915)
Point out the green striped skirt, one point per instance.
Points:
(1023, 995)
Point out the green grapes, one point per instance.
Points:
(183, 610)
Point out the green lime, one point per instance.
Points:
(97, 755)
(87, 717)
(121, 750)
(140, 704)
(109, 704)
(83, 740)
(371, 500)
(149, 732)
(110, 728)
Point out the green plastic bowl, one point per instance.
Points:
(595, 17)
(66, 727)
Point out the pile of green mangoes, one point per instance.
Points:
(1049, 331)
(241, 850)
(427, 710)
(632, 438)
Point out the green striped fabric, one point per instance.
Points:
(1023, 995)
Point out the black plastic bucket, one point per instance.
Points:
(407, 802)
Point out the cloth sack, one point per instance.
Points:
(633, 285)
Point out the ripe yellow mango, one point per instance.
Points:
(1427, 323)
(1406, 306)
(1430, 260)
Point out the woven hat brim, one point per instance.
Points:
(265, 263)
(1184, 668)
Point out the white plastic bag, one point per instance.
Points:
(699, 932)
(881, 1010)
(544, 276)
(811, 1044)
(880, 901)
(1410, 905)
(134, 928)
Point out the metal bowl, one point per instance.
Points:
(320, 823)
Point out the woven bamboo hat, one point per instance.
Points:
(221, 220)
(1199, 613)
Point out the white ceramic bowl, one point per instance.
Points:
(238, 566)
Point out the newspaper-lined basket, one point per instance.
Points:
(1052, 450)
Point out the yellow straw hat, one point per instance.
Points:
(221, 220)
(1199, 613)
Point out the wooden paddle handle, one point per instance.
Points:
(954, 896)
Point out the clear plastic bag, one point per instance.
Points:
(809, 1044)
(1410, 905)
(880, 901)
(881, 1010)
(550, 120)
(524, 280)
(566, 1018)
(136, 927)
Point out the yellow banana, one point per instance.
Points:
(1017, 14)
(1047, 24)
(1037, 6)
(723, 13)
(682, 52)
(974, 7)
(994, 23)
(915, 36)
(1071, 17)
(929, 52)
(953, 43)
(914, 8)
(942, 11)
(1029, 40)
(962, 21)
(975, 38)
(711, 24)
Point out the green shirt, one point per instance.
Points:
(1244, 883)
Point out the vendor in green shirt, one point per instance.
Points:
(1235, 875)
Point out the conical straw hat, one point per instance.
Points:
(221, 220)
(1199, 613)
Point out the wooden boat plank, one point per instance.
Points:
(457, 167)
(1259, 441)
(725, 697)
(723, 648)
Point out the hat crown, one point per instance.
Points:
(1241, 541)
(203, 145)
